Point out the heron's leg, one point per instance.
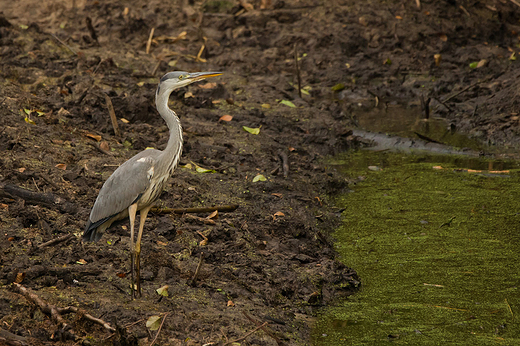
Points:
(144, 212)
(132, 210)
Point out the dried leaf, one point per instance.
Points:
(213, 215)
(104, 146)
(437, 58)
(259, 177)
(161, 243)
(264, 4)
(21, 169)
(63, 112)
(230, 303)
(81, 261)
(482, 63)
(61, 166)
(153, 322)
(247, 6)
(278, 213)
(513, 57)
(226, 117)
(162, 291)
(207, 86)
(121, 275)
(251, 130)
(188, 94)
(93, 136)
(279, 195)
(398, 17)
(124, 120)
(443, 37)
(287, 103)
(266, 105)
(19, 277)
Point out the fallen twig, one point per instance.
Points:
(56, 312)
(265, 329)
(194, 278)
(159, 330)
(56, 241)
(48, 309)
(91, 30)
(284, 163)
(220, 208)
(70, 309)
(509, 308)
(64, 44)
(149, 42)
(10, 339)
(101, 150)
(469, 87)
(245, 336)
(204, 220)
(448, 223)
(297, 66)
(112, 113)
(45, 199)
(425, 105)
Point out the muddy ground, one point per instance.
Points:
(271, 259)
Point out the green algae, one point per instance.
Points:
(436, 250)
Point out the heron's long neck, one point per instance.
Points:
(173, 150)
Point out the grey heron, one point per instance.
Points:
(138, 182)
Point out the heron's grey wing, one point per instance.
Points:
(125, 186)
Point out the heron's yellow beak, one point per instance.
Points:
(196, 76)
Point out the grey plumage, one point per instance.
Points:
(138, 182)
(123, 188)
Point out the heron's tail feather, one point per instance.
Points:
(93, 231)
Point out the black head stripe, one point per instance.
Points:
(171, 75)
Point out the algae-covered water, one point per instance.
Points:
(436, 249)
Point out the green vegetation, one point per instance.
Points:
(436, 249)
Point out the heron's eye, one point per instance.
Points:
(181, 76)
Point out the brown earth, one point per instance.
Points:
(276, 268)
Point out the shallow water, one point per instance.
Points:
(436, 249)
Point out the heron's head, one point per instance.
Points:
(178, 79)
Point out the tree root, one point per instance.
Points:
(55, 313)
